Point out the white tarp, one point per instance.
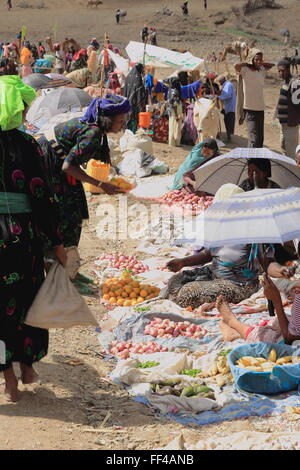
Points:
(119, 61)
(160, 57)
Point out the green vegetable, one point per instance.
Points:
(170, 382)
(224, 352)
(188, 392)
(141, 309)
(190, 372)
(202, 389)
(148, 364)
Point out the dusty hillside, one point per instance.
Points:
(73, 18)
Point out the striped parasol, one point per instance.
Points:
(258, 216)
(232, 168)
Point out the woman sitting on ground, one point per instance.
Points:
(259, 172)
(205, 150)
(279, 329)
(233, 271)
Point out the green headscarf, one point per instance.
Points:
(13, 94)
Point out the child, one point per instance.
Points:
(275, 330)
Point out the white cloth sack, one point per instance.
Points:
(58, 304)
(132, 164)
(140, 140)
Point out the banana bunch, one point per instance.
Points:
(261, 364)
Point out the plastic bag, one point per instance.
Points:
(58, 304)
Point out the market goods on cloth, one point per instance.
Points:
(133, 329)
(258, 216)
(241, 406)
(281, 379)
(232, 167)
(58, 304)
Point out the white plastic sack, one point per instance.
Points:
(58, 304)
(169, 365)
(140, 140)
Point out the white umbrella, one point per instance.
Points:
(232, 168)
(58, 101)
(258, 216)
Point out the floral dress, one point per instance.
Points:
(21, 254)
(76, 143)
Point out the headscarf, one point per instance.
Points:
(211, 144)
(79, 54)
(105, 107)
(251, 54)
(262, 164)
(192, 161)
(297, 149)
(226, 191)
(13, 94)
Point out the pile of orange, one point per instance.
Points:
(121, 183)
(125, 291)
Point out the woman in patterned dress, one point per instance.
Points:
(76, 142)
(27, 208)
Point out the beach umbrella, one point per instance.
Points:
(232, 168)
(37, 80)
(258, 216)
(56, 102)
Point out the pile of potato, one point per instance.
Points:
(261, 364)
(170, 329)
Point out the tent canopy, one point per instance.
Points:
(162, 58)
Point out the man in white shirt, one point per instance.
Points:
(253, 74)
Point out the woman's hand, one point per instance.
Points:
(111, 189)
(175, 265)
(270, 290)
(61, 254)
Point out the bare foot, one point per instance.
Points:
(229, 334)
(224, 309)
(11, 385)
(28, 374)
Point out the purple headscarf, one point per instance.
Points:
(111, 105)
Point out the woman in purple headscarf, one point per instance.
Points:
(76, 142)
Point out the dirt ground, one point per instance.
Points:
(76, 406)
